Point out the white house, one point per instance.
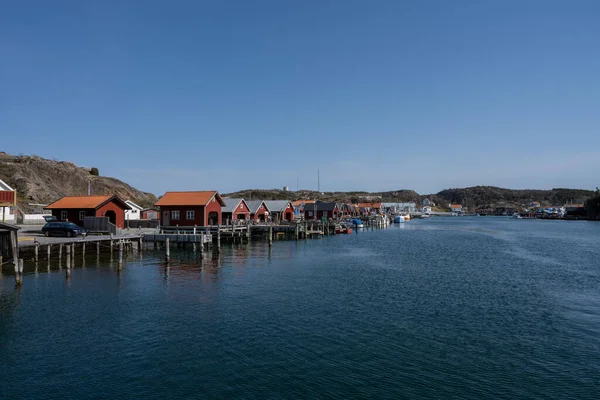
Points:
(134, 213)
(5, 199)
(426, 209)
(456, 208)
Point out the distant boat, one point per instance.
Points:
(399, 218)
(357, 223)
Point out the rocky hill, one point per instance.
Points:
(490, 196)
(349, 197)
(41, 181)
(472, 197)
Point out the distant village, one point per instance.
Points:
(208, 208)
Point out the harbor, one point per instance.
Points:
(256, 311)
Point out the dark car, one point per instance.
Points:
(63, 229)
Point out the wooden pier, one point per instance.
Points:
(198, 238)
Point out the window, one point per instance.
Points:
(175, 214)
(190, 215)
(63, 215)
(81, 215)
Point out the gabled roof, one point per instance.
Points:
(132, 205)
(8, 227)
(232, 204)
(84, 202)
(189, 198)
(369, 205)
(253, 205)
(455, 206)
(321, 206)
(4, 186)
(277, 205)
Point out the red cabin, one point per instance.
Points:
(150, 213)
(235, 210)
(76, 208)
(190, 208)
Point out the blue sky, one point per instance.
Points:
(378, 95)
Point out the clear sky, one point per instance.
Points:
(378, 95)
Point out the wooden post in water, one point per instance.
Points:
(98, 248)
(270, 236)
(218, 238)
(120, 262)
(49, 247)
(68, 264)
(68, 257)
(36, 251)
(83, 250)
(18, 280)
(168, 249)
(297, 231)
(60, 250)
(201, 242)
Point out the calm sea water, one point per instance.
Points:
(465, 308)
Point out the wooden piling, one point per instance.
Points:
(18, 268)
(219, 238)
(270, 236)
(83, 250)
(121, 245)
(201, 242)
(49, 247)
(168, 249)
(36, 251)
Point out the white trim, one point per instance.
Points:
(9, 189)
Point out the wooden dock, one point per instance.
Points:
(199, 238)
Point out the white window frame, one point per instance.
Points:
(190, 215)
(64, 215)
(82, 215)
(175, 215)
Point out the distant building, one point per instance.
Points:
(235, 210)
(8, 198)
(150, 213)
(456, 208)
(410, 207)
(280, 210)
(134, 213)
(258, 210)
(321, 210)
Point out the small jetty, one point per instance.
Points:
(36, 247)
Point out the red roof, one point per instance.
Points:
(83, 202)
(189, 198)
(456, 206)
(369, 205)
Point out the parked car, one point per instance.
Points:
(67, 229)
